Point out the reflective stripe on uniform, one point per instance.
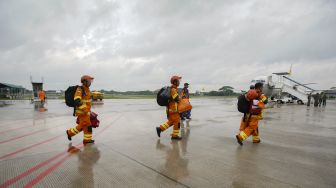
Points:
(82, 106)
(86, 100)
(165, 125)
(80, 112)
(174, 96)
(259, 117)
(78, 97)
(87, 136)
(74, 130)
(243, 135)
(256, 138)
(176, 132)
(175, 108)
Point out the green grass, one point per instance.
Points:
(125, 97)
(129, 97)
(106, 96)
(6, 99)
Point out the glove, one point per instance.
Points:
(263, 99)
(78, 102)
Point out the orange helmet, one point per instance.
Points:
(86, 77)
(173, 78)
(252, 94)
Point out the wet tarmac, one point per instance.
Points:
(297, 147)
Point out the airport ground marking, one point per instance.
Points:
(24, 127)
(22, 136)
(28, 147)
(52, 168)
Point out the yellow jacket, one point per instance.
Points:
(83, 93)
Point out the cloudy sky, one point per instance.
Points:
(138, 45)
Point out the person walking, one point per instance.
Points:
(324, 99)
(83, 111)
(316, 99)
(173, 114)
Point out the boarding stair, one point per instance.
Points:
(295, 89)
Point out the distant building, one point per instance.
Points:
(11, 91)
(198, 93)
(331, 93)
(53, 94)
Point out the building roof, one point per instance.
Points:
(330, 91)
(10, 85)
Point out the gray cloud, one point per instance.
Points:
(133, 45)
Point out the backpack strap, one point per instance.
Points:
(83, 91)
(248, 119)
(83, 94)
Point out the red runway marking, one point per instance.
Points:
(26, 148)
(9, 130)
(22, 136)
(26, 173)
(16, 128)
(29, 134)
(52, 168)
(49, 170)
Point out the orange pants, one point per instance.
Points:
(83, 125)
(173, 119)
(249, 127)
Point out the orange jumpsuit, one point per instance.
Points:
(83, 114)
(249, 125)
(172, 113)
(42, 95)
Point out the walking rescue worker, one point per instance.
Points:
(42, 96)
(320, 100)
(172, 111)
(324, 99)
(316, 99)
(82, 111)
(185, 95)
(249, 123)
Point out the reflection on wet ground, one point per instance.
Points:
(297, 148)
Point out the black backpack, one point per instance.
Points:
(163, 96)
(69, 96)
(243, 105)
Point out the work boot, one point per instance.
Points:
(176, 138)
(88, 142)
(256, 141)
(158, 131)
(238, 140)
(69, 137)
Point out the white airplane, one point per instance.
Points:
(278, 85)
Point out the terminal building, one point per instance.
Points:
(10, 91)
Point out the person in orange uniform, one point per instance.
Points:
(42, 96)
(249, 123)
(82, 111)
(185, 95)
(172, 111)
